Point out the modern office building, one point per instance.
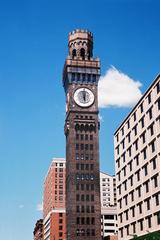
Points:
(38, 230)
(137, 157)
(108, 190)
(54, 213)
(108, 205)
(80, 80)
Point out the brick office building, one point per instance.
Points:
(54, 213)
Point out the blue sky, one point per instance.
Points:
(33, 47)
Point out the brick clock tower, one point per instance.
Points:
(80, 79)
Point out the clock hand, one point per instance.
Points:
(84, 95)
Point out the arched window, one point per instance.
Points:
(74, 53)
(82, 53)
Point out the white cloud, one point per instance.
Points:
(39, 207)
(118, 89)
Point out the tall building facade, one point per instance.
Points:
(137, 155)
(38, 230)
(108, 206)
(108, 190)
(80, 79)
(54, 213)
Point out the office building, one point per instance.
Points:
(137, 156)
(108, 206)
(54, 213)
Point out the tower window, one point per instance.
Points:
(73, 76)
(94, 77)
(74, 53)
(82, 53)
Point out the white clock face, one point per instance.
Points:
(84, 97)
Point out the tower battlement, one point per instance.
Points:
(80, 44)
(81, 31)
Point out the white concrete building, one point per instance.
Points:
(108, 205)
(137, 160)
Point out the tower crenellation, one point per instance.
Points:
(80, 44)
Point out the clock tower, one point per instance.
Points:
(80, 80)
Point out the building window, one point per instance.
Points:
(129, 137)
(93, 232)
(128, 124)
(141, 225)
(136, 144)
(144, 152)
(148, 203)
(146, 184)
(124, 157)
(78, 209)
(141, 107)
(134, 116)
(121, 232)
(77, 156)
(82, 146)
(138, 175)
(91, 146)
(122, 130)
(152, 145)
(157, 199)
(149, 98)
(77, 197)
(92, 209)
(130, 165)
(92, 187)
(149, 221)
(137, 159)
(82, 136)
(158, 87)
(129, 151)
(126, 212)
(142, 122)
(82, 209)
(117, 137)
(135, 130)
(155, 181)
(153, 161)
(145, 170)
(143, 137)
(158, 217)
(139, 191)
(151, 129)
(132, 195)
(86, 146)
(124, 171)
(82, 156)
(92, 198)
(123, 145)
(150, 113)
(77, 146)
(117, 148)
(158, 103)
(91, 137)
(86, 137)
